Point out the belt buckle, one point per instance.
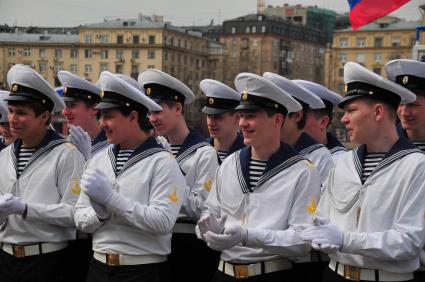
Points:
(352, 273)
(241, 271)
(112, 259)
(18, 251)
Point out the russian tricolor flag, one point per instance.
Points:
(365, 11)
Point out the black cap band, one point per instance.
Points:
(220, 103)
(158, 92)
(414, 83)
(252, 101)
(120, 100)
(20, 93)
(80, 94)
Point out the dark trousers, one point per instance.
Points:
(80, 256)
(278, 276)
(50, 267)
(191, 259)
(100, 272)
(419, 276)
(309, 271)
(330, 276)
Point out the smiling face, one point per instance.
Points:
(24, 124)
(115, 125)
(222, 125)
(78, 113)
(165, 121)
(412, 117)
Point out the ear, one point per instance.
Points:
(279, 119)
(134, 116)
(93, 110)
(324, 122)
(379, 111)
(179, 108)
(299, 115)
(45, 116)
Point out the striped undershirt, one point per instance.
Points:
(23, 157)
(222, 154)
(175, 149)
(420, 145)
(122, 158)
(256, 169)
(371, 161)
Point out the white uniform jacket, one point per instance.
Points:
(280, 205)
(334, 146)
(49, 184)
(316, 153)
(383, 218)
(198, 162)
(150, 192)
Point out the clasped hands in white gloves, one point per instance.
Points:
(209, 222)
(97, 186)
(81, 140)
(230, 237)
(10, 204)
(324, 236)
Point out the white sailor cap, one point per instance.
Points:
(3, 106)
(78, 88)
(161, 86)
(28, 86)
(328, 97)
(408, 73)
(259, 93)
(129, 80)
(302, 95)
(361, 82)
(220, 98)
(117, 93)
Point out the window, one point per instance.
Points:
(343, 57)
(165, 55)
(42, 68)
(135, 69)
(119, 68)
(58, 53)
(136, 39)
(151, 54)
(103, 54)
(27, 52)
(135, 54)
(103, 67)
(361, 42)
(247, 29)
(88, 68)
(341, 72)
(120, 39)
(73, 68)
(254, 29)
(151, 66)
(378, 57)
(42, 53)
(151, 39)
(360, 58)
(377, 70)
(11, 52)
(233, 30)
(395, 42)
(120, 55)
(58, 67)
(378, 42)
(74, 53)
(103, 38)
(88, 53)
(88, 39)
(263, 29)
(343, 42)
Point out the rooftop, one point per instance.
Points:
(39, 38)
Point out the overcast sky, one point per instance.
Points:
(179, 12)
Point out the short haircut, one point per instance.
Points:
(143, 119)
(37, 107)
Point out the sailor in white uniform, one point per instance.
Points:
(222, 118)
(39, 184)
(81, 98)
(198, 162)
(370, 217)
(411, 75)
(267, 191)
(318, 120)
(293, 128)
(131, 193)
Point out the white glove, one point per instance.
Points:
(96, 184)
(326, 248)
(81, 140)
(211, 223)
(231, 236)
(10, 204)
(101, 211)
(325, 233)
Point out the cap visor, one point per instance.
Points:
(69, 99)
(248, 107)
(214, 111)
(18, 98)
(106, 105)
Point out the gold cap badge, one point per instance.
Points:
(102, 94)
(14, 87)
(210, 101)
(346, 88)
(245, 95)
(148, 91)
(65, 89)
(405, 79)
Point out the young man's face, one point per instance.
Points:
(23, 122)
(115, 125)
(359, 120)
(165, 121)
(257, 127)
(6, 133)
(78, 113)
(222, 125)
(412, 115)
(290, 127)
